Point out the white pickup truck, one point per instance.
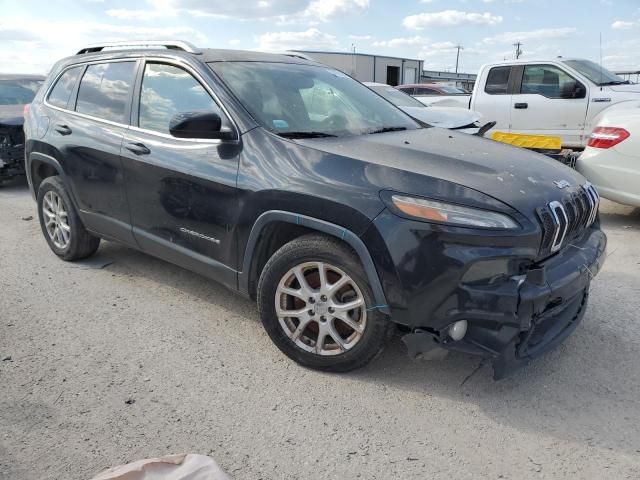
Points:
(560, 97)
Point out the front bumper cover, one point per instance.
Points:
(549, 303)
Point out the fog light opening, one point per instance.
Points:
(458, 330)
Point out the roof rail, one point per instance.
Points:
(168, 44)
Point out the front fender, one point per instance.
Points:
(321, 226)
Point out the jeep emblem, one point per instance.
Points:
(561, 184)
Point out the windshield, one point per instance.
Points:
(395, 96)
(17, 91)
(305, 101)
(594, 72)
(452, 90)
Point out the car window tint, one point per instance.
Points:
(61, 92)
(546, 80)
(498, 81)
(168, 90)
(104, 90)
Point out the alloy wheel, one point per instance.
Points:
(56, 220)
(321, 308)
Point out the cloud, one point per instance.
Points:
(622, 25)
(282, 11)
(540, 34)
(450, 18)
(312, 39)
(401, 42)
(360, 37)
(139, 15)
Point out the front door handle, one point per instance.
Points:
(521, 106)
(138, 148)
(62, 129)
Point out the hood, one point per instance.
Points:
(517, 177)
(631, 88)
(444, 117)
(11, 115)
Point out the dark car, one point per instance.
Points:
(297, 186)
(16, 91)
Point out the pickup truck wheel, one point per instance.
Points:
(61, 224)
(315, 303)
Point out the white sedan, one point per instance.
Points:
(611, 160)
(454, 118)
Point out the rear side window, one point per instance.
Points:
(426, 91)
(407, 90)
(59, 96)
(168, 90)
(498, 81)
(104, 90)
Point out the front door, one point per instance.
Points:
(182, 192)
(545, 104)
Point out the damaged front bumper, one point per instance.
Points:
(11, 151)
(547, 303)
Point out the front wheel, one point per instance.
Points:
(316, 305)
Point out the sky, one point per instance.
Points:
(34, 34)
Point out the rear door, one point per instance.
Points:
(543, 104)
(87, 127)
(492, 97)
(182, 192)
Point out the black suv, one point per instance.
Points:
(296, 185)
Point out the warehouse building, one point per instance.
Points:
(371, 68)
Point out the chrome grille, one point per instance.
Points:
(566, 219)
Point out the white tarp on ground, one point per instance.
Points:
(173, 467)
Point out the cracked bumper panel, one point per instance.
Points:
(516, 308)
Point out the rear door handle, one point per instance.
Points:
(138, 148)
(62, 129)
(521, 106)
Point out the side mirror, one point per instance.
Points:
(573, 90)
(199, 125)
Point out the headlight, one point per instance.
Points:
(434, 211)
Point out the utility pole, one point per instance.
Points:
(518, 50)
(459, 47)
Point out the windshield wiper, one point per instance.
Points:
(305, 135)
(387, 129)
(615, 82)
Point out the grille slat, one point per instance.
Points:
(565, 220)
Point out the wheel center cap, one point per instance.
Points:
(322, 308)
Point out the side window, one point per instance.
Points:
(61, 92)
(168, 90)
(408, 90)
(104, 90)
(498, 81)
(547, 80)
(426, 91)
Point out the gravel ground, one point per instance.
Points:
(101, 366)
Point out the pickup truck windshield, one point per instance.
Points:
(596, 73)
(18, 92)
(306, 101)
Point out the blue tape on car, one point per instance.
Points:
(280, 124)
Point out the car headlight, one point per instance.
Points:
(435, 211)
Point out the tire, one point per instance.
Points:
(293, 335)
(72, 242)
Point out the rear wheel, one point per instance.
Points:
(61, 224)
(315, 302)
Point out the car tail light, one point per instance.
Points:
(607, 137)
(25, 110)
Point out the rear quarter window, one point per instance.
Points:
(61, 92)
(105, 89)
(498, 81)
